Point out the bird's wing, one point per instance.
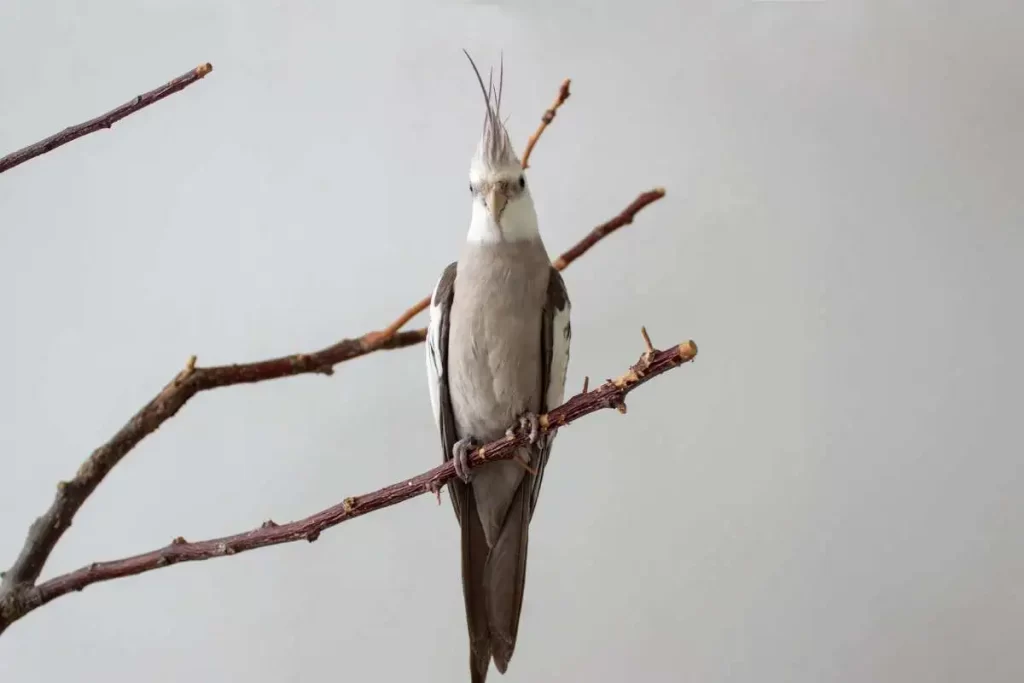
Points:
(437, 375)
(474, 544)
(556, 333)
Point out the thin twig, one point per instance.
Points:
(647, 340)
(545, 121)
(609, 395)
(105, 120)
(600, 232)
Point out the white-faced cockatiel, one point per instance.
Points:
(497, 354)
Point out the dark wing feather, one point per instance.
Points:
(437, 369)
(474, 544)
(556, 333)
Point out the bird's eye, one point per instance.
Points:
(522, 182)
(471, 188)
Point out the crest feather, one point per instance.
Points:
(495, 148)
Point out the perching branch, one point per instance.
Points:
(611, 394)
(105, 120)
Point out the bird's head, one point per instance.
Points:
(502, 207)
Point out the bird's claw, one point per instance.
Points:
(461, 452)
(529, 424)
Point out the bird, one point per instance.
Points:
(497, 356)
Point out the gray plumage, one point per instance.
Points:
(497, 308)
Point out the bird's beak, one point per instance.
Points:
(496, 202)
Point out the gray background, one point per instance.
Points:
(831, 493)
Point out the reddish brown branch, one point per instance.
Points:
(545, 121)
(611, 394)
(105, 120)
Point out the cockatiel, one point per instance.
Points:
(497, 355)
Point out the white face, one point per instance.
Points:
(502, 207)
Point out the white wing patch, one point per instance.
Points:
(434, 368)
(561, 334)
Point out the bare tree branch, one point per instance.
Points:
(611, 394)
(105, 120)
(545, 120)
(624, 218)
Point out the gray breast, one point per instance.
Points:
(494, 349)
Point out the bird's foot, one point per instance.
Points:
(461, 452)
(529, 424)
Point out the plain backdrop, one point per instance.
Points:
(832, 492)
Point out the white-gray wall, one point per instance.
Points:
(830, 493)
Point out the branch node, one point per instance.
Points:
(178, 540)
(269, 524)
(434, 487)
(348, 505)
(162, 561)
(313, 535)
(586, 384)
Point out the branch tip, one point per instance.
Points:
(647, 339)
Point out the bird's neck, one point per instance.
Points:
(518, 223)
